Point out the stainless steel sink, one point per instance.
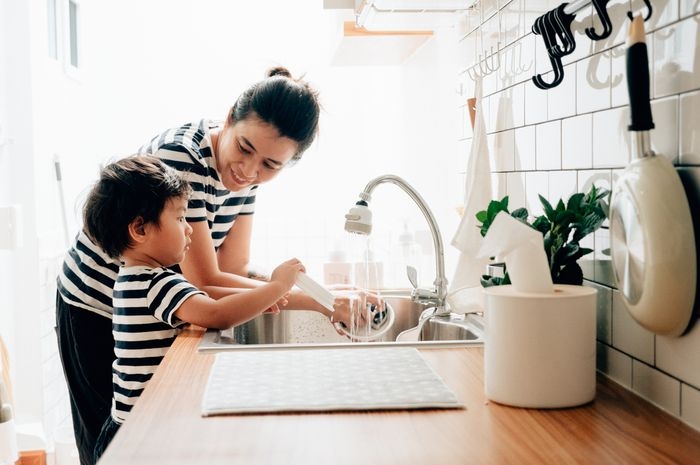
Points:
(300, 328)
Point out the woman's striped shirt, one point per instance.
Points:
(87, 276)
(144, 327)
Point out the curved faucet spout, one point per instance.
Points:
(355, 224)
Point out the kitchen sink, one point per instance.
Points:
(303, 328)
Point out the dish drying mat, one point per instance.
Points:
(323, 380)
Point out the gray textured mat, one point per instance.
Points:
(323, 380)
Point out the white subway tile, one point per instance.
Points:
(593, 83)
(689, 7)
(535, 104)
(680, 356)
(674, 61)
(490, 80)
(611, 146)
(562, 184)
(601, 178)
(656, 387)
(512, 22)
(536, 184)
(627, 335)
(584, 45)
(517, 101)
(664, 13)
(548, 143)
(618, 79)
(524, 148)
(615, 364)
(517, 197)
(520, 61)
(690, 128)
(561, 101)
(690, 406)
(577, 142)
(617, 9)
(664, 137)
(499, 185)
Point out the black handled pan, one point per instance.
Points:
(651, 229)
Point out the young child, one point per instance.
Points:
(136, 212)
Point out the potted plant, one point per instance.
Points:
(563, 227)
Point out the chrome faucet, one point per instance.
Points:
(359, 221)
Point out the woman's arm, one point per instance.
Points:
(201, 265)
(233, 255)
(238, 308)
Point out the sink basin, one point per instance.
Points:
(302, 328)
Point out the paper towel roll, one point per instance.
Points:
(8, 442)
(539, 349)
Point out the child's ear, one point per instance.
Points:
(137, 230)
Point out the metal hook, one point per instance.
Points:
(561, 24)
(494, 59)
(602, 10)
(630, 15)
(558, 74)
(547, 31)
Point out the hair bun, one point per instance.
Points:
(279, 71)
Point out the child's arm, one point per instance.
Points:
(238, 308)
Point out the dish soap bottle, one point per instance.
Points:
(337, 270)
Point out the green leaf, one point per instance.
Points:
(548, 210)
(520, 214)
(570, 274)
(575, 202)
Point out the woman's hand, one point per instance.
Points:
(352, 300)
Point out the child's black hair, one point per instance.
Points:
(136, 186)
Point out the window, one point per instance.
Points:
(51, 28)
(63, 33)
(73, 32)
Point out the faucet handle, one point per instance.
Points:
(412, 276)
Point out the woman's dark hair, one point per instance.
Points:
(288, 104)
(136, 186)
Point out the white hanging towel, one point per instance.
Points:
(465, 289)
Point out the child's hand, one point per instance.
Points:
(286, 273)
(282, 302)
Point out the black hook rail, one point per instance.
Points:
(555, 28)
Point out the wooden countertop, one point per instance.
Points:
(618, 427)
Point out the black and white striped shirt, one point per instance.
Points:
(144, 328)
(88, 274)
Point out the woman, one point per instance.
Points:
(268, 128)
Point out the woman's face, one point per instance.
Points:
(251, 152)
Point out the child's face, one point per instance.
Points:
(170, 240)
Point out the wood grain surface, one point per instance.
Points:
(618, 427)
